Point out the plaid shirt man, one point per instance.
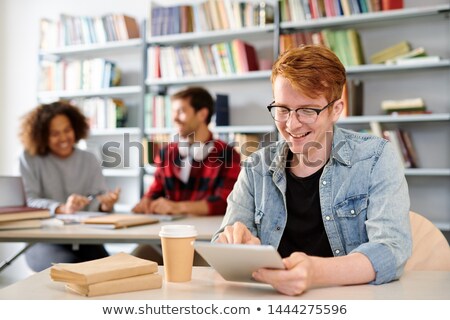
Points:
(210, 179)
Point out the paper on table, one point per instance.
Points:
(118, 266)
(79, 216)
(142, 282)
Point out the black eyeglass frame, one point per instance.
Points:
(318, 111)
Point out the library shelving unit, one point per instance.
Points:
(429, 184)
(130, 90)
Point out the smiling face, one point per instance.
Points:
(61, 138)
(305, 139)
(186, 118)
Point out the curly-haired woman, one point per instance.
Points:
(59, 176)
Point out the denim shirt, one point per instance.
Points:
(363, 196)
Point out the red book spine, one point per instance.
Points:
(391, 4)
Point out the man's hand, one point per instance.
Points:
(108, 200)
(296, 279)
(165, 206)
(143, 206)
(238, 233)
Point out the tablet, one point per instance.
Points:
(237, 262)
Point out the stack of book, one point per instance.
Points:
(403, 54)
(22, 217)
(405, 106)
(391, 52)
(115, 274)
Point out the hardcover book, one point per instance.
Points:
(21, 224)
(118, 266)
(222, 110)
(391, 4)
(22, 213)
(137, 283)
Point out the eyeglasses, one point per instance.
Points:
(307, 114)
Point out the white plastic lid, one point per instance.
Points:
(178, 231)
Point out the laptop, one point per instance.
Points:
(12, 192)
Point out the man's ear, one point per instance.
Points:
(337, 110)
(203, 114)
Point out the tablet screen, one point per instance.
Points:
(237, 262)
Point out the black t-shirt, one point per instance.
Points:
(304, 228)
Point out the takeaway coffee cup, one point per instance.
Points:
(178, 251)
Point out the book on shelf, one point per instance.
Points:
(152, 148)
(222, 110)
(128, 27)
(120, 220)
(103, 113)
(409, 105)
(129, 284)
(418, 60)
(391, 52)
(246, 144)
(244, 55)
(391, 4)
(375, 129)
(411, 151)
(416, 52)
(401, 141)
(353, 98)
(157, 111)
(22, 213)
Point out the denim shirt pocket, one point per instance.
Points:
(352, 214)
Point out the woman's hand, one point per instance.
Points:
(75, 202)
(107, 200)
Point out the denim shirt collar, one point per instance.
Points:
(340, 152)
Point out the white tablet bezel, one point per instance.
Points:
(237, 262)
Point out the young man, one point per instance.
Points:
(195, 175)
(334, 202)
